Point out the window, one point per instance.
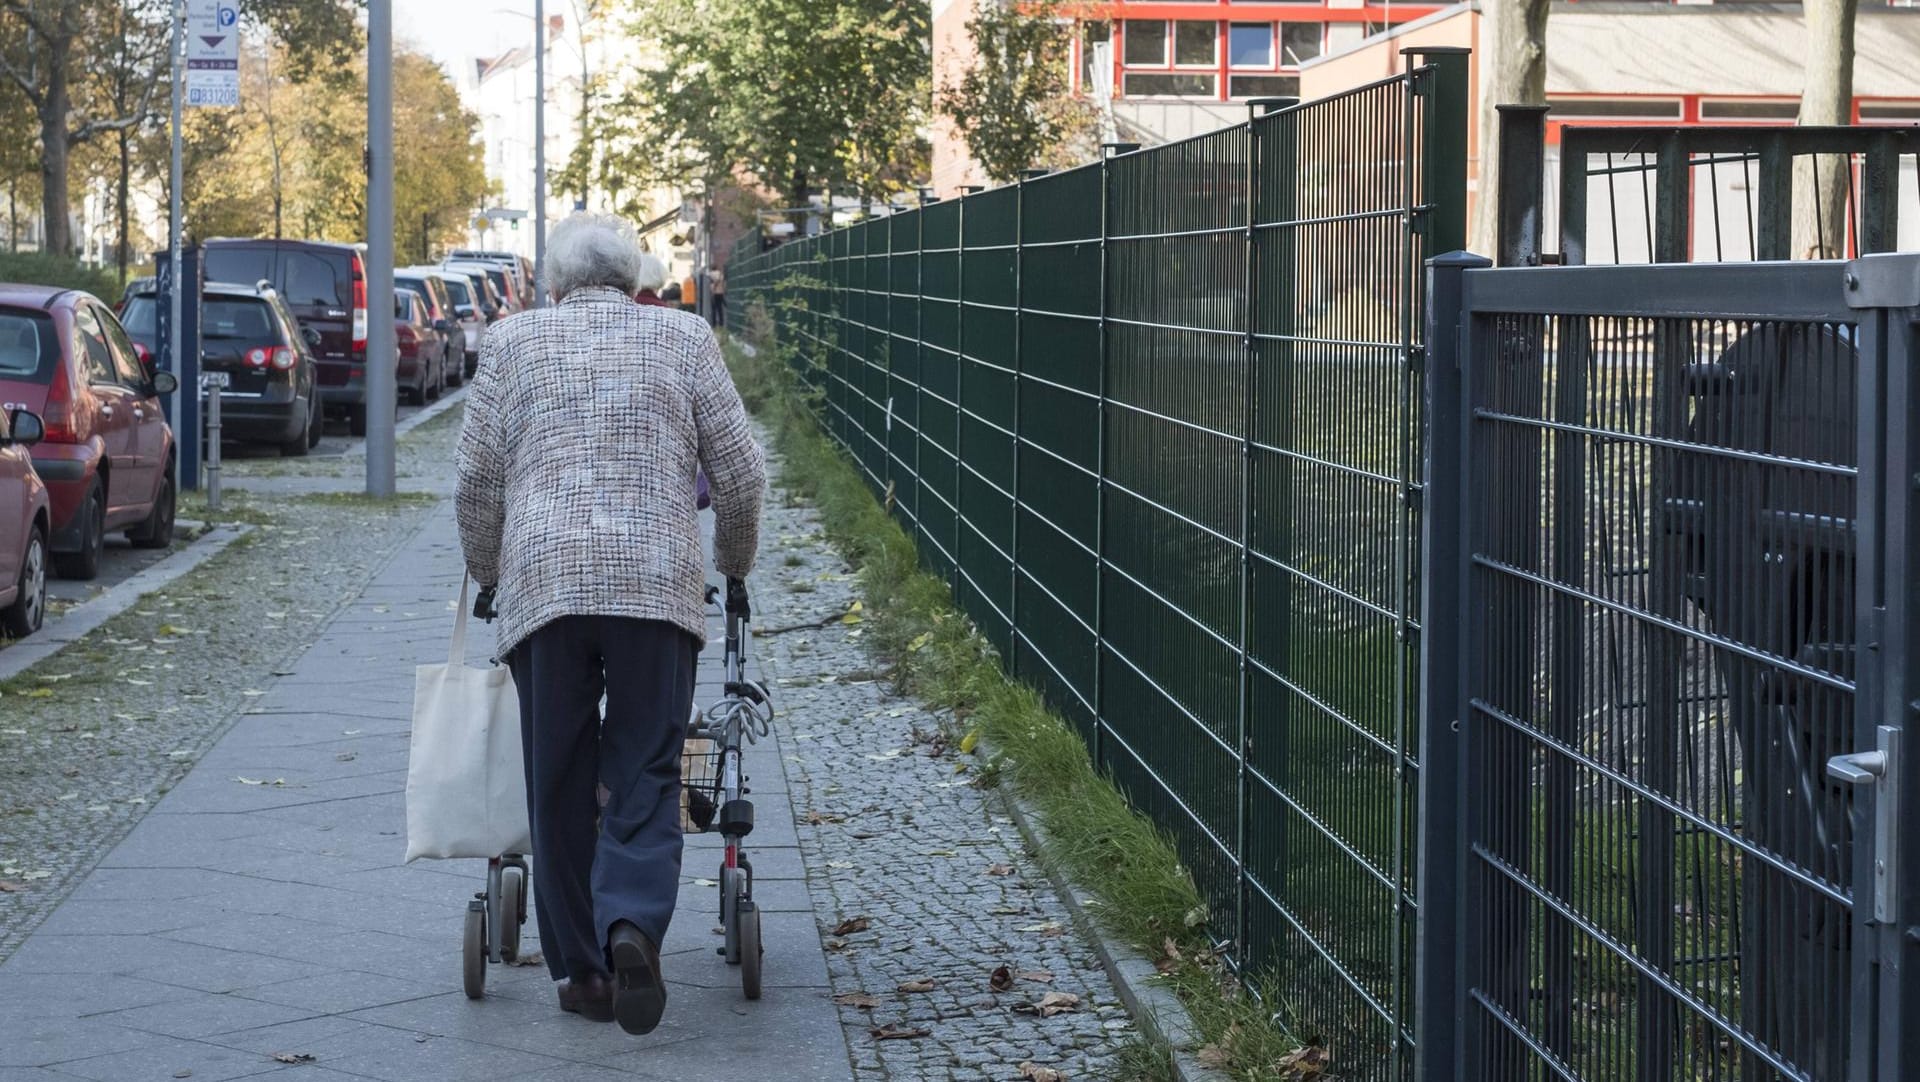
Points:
(99, 357)
(1182, 85)
(1196, 44)
(242, 266)
(28, 346)
(309, 279)
(1264, 86)
(1615, 108)
(1890, 112)
(1749, 110)
(1250, 45)
(124, 358)
(1300, 42)
(237, 319)
(1146, 43)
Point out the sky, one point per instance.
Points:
(453, 32)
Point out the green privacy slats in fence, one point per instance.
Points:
(1157, 421)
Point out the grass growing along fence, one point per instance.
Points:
(1140, 889)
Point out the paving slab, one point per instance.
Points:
(264, 906)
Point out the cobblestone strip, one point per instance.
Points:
(92, 736)
(896, 835)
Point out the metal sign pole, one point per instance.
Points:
(381, 344)
(177, 47)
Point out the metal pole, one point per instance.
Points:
(178, 48)
(540, 151)
(381, 371)
(213, 384)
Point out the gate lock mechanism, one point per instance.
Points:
(1877, 768)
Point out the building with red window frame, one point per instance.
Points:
(1164, 69)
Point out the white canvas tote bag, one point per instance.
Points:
(466, 785)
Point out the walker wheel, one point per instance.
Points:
(748, 916)
(512, 910)
(473, 952)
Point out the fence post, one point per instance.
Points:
(1673, 191)
(1523, 165)
(1775, 199)
(1107, 151)
(1880, 193)
(1439, 962)
(955, 574)
(1250, 406)
(1443, 158)
(1886, 915)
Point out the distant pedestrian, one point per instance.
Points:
(653, 275)
(690, 294)
(575, 496)
(717, 289)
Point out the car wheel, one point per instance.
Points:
(85, 564)
(157, 531)
(22, 618)
(357, 419)
(301, 443)
(316, 423)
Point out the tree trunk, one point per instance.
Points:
(1820, 182)
(1513, 71)
(57, 234)
(125, 252)
(13, 216)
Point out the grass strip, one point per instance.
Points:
(1141, 891)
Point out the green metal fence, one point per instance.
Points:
(1158, 421)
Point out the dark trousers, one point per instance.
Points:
(586, 878)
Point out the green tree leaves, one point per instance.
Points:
(804, 95)
(1013, 106)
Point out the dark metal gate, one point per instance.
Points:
(1669, 672)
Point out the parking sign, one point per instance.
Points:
(213, 52)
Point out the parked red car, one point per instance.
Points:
(25, 522)
(421, 348)
(107, 455)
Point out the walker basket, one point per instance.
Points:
(699, 784)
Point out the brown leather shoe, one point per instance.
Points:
(589, 997)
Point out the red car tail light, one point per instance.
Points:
(257, 357)
(409, 340)
(282, 359)
(359, 304)
(60, 418)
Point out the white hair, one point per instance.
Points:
(593, 250)
(653, 272)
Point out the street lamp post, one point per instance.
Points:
(540, 151)
(382, 373)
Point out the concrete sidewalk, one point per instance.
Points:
(263, 909)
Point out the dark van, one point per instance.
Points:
(325, 286)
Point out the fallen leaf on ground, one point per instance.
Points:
(851, 925)
(863, 835)
(534, 959)
(1051, 927)
(1001, 980)
(8, 886)
(1038, 976)
(1051, 1004)
(293, 1057)
(922, 984)
(999, 869)
(969, 742)
(836, 944)
(1213, 1056)
(1033, 1072)
(1309, 1061)
(277, 783)
(1169, 956)
(346, 757)
(920, 642)
(857, 999)
(898, 1031)
(815, 818)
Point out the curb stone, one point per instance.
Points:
(1153, 1005)
(85, 617)
(400, 428)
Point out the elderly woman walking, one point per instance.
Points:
(586, 424)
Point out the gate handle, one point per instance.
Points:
(1860, 768)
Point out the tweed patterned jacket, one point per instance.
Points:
(575, 493)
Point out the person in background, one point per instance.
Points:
(653, 276)
(717, 289)
(689, 294)
(575, 496)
